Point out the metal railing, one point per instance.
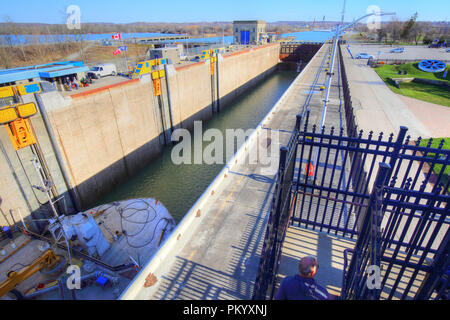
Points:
(348, 107)
(398, 211)
(279, 219)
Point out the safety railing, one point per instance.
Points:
(397, 211)
(279, 219)
(350, 119)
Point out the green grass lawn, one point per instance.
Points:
(424, 92)
(387, 71)
(438, 167)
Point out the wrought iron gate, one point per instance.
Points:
(384, 193)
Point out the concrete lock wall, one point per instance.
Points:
(18, 175)
(241, 70)
(105, 135)
(190, 90)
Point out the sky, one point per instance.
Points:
(126, 11)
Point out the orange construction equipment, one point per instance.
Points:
(157, 87)
(309, 170)
(20, 133)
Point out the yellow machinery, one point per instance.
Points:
(49, 262)
(205, 54)
(15, 116)
(144, 67)
(151, 66)
(209, 53)
(156, 78)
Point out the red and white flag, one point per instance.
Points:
(117, 51)
(117, 36)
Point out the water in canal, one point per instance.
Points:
(179, 186)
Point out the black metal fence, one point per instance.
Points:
(390, 196)
(348, 107)
(279, 219)
(366, 254)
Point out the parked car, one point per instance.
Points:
(448, 50)
(364, 56)
(102, 70)
(397, 50)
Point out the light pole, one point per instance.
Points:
(330, 72)
(335, 42)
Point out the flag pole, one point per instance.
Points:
(126, 58)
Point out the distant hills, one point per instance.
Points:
(190, 28)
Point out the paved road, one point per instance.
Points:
(410, 53)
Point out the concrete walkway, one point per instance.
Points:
(329, 249)
(434, 117)
(376, 107)
(301, 242)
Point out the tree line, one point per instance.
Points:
(410, 31)
(28, 43)
(7, 28)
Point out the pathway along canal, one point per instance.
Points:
(179, 186)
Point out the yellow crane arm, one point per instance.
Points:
(47, 261)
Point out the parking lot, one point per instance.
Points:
(410, 52)
(97, 83)
(120, 64)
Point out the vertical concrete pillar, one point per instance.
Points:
(72, 192)
(219, 56)
(168, 71)
(162, 113)
(157, 109)
(166, 108)
(163, 108)
(212, 86)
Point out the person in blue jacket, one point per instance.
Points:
(302, 286)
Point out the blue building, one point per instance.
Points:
(55, 73)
